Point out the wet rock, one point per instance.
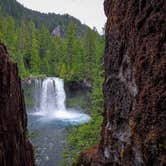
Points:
(15, 148)
(134, 130)
(72, 87)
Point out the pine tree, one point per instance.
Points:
(21, 50)
(35, 60)
(44, 41)
(90, 52)
(10, 37)
(70, 39)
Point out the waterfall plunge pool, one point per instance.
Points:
(49, 119)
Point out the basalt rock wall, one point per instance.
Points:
(15, 148)
(134, 130)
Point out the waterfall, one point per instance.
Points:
(53, 95)
(50, 98)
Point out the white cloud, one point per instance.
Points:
(90, 12)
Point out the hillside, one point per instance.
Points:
(19, 12)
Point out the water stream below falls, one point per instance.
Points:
(49, 119)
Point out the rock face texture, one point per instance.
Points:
(15, 149)
(134, 127)
(57, 31)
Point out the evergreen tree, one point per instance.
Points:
(34, 60)
(44, 41)
(78, 69)
(38, 52)
(71, 58)
(90, 52)
(11, 37)
(70, 39)
(21, 49)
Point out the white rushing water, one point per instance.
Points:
(50, 102)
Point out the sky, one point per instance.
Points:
(89, 12)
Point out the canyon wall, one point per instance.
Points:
(15, 148)
(134, 126)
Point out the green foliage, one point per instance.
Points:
(63, 71)
(50, 20)
(38, 53)
(34, 52)
(70, 39)
(83, 137)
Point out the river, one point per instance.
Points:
(49, 120)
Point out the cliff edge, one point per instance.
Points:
(133, 130)
(15, 148)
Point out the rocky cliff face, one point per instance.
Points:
(134, 130)
(15, 149)
(57, 31)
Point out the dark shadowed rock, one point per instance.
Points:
(134, 127)
(15, 148)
